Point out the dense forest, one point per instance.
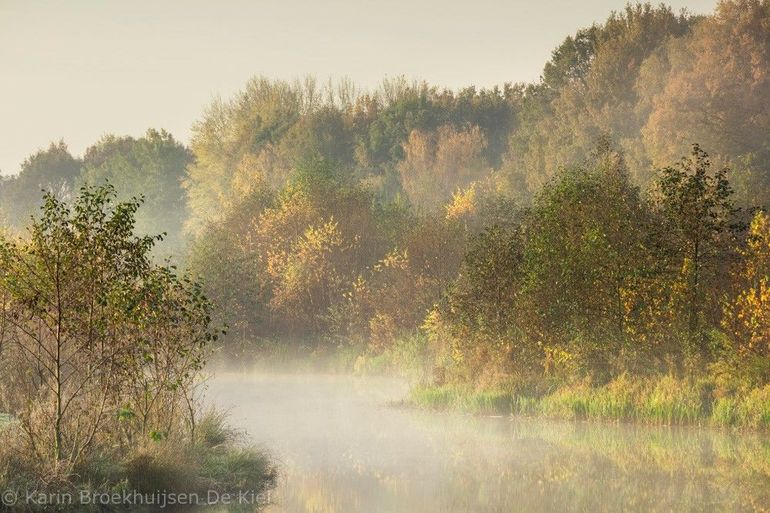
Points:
(604, 222)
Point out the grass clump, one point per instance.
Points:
(227, 464)
(566, 403)
(463, 398)
(216, 460)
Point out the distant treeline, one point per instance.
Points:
(548, 229)
(152, 167)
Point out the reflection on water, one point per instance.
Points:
(342, 449)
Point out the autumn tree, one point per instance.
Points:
(714, 87)
(589, 90)
(292, 254)
(698, 225)
(437, 164)
(747, 315)
(248, 124)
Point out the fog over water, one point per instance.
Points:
(343, 448)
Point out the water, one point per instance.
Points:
(341, 448)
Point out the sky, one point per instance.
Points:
(80, 69)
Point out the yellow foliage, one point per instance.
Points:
(248, 177)
(748, 316)
(463, 203)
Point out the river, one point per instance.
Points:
(343, 448)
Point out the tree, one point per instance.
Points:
(571, 60)
(747, 316)
(53, 170)
(227, 258)
(290, 255)
(483, 311)
(584, 255)
(698, 227)
(398, 109)
(321, 135)
(437, 164)
(151, 167)
(309, 276)
(589, 90)
(714, 87)
(94, 328)
(254, 121)
(484, 296)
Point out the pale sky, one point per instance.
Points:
(79, 69)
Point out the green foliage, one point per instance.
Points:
(53, 170)
(584, 254)
(698, 223)
(116, 344)
(151, 167)
(571, 60)
(108, 317)
(485, 295)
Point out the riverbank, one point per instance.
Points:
(165, 470)
(662, 401)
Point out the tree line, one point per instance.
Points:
(545, 229)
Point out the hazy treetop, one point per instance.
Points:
(79, 70)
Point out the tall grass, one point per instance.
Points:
(464, 398)
(664, 400)
(751, 409)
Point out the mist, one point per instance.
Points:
(343, 444)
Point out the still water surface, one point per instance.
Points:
(342, 449)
